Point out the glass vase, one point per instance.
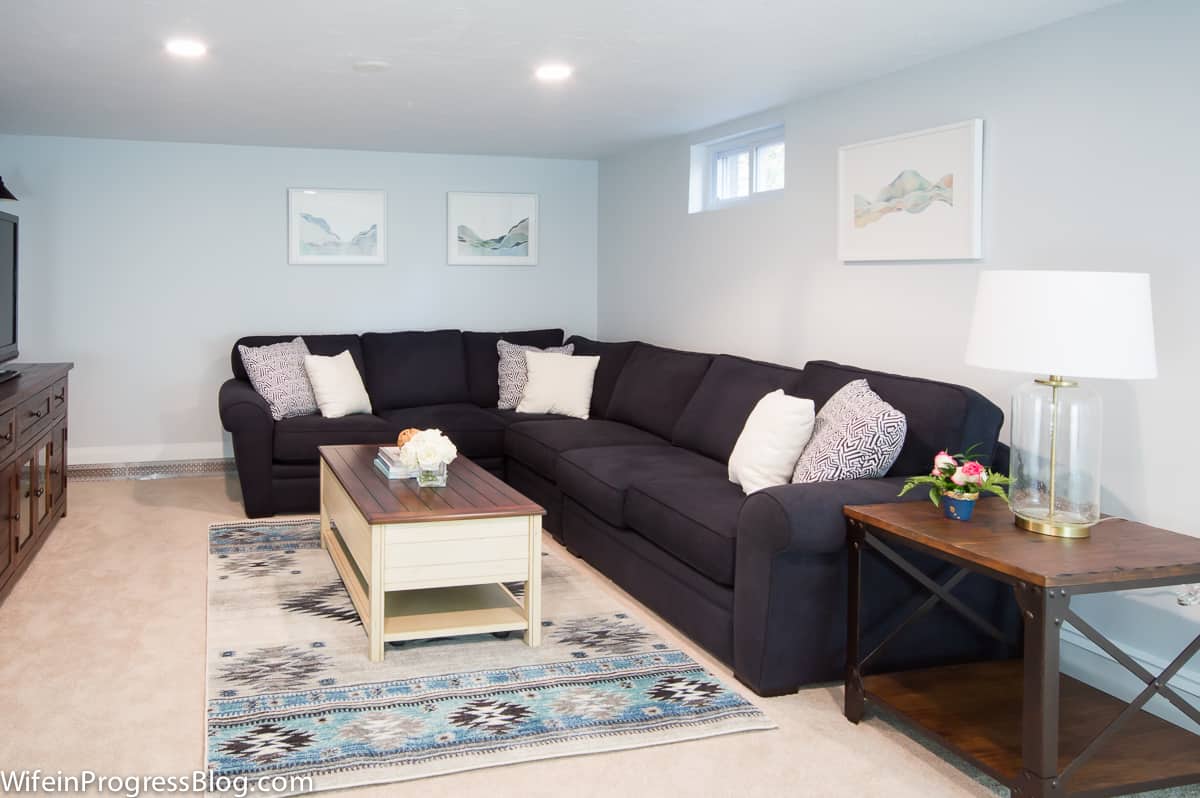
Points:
(1055, 468)
(431, 475)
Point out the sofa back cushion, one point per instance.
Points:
(410, 369)
(612, 361)
(655, 386)
(482, 360)
(326, 345)
(717, 412)
(940, 415)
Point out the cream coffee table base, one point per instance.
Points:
(438, 576)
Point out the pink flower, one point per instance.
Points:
(969, 473)
(941, 461)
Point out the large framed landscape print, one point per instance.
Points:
(916, 196)
(491, 229)
(337, 226)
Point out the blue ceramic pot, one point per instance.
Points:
(956, 508)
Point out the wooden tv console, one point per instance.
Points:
(33, 463)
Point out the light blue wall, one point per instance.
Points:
(1091, 162)
(143, 262)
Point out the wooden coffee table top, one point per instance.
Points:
(1117, 551)
(470, 492)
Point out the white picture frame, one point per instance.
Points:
(913, 197)
(337, 226)
(491, 229)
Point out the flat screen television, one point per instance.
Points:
(8, 292)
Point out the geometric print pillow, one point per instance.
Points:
(857, 435)
(277, 373)
(513, 374)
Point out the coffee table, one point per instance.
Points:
(430, 562)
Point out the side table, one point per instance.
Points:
(1021, 721)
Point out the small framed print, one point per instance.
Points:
(486, 229)
(337, 226)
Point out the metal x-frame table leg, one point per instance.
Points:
(939, 594)
(1044, 612)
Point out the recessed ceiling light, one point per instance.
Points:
(186, 48)
(371, 65)
(552, 73)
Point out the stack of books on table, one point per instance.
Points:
(388, 461)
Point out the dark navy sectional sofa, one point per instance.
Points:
(640, 489)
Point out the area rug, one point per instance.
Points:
(292, 692)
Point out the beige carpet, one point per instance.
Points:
(102, 668)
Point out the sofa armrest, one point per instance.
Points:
(808, 517)
(247, 416)
(789, 616)
(241, 407)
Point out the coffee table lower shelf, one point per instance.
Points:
(975, 710)
(430, 612)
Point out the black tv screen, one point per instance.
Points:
(8, 287)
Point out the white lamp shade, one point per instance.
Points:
(1069, 324)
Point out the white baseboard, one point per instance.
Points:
(87, 455)
(1085, 661)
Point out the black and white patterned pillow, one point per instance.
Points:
(513, 374)
(277, 373)
(857, 435)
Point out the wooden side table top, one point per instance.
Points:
(470, 492)
(1117, 552)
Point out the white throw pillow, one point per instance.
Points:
(559, 384)
(771, 442)
(337, 385)
(511, 375)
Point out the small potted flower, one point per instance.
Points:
(427, 453)
(956, 483)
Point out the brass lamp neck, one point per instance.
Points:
(1054, 381)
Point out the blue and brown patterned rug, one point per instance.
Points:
(291, 691)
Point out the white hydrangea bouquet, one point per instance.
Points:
(427, 454)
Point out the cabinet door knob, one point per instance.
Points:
(37, 413)
(61, 396)
(7, 438)
(39, 492)
(17, 517)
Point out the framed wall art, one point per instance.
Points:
(337, 226)
(916, 196)
(486, 229)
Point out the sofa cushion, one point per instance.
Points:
(598, 478)
(537, 444)
(940, 415)
(655, 386)
(612, 360)
(476, 432)
(483, 361)
(297, 439)
(412, 369)
(856, 435)
(717, 412)
(508, 417)
(326, 345)
(512, 373)
(277, 373)
(693, 519)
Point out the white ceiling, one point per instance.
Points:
(279, 71)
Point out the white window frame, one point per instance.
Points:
(748, 142)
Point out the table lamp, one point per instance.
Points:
(1060, 325)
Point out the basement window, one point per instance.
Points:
(736, 168)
